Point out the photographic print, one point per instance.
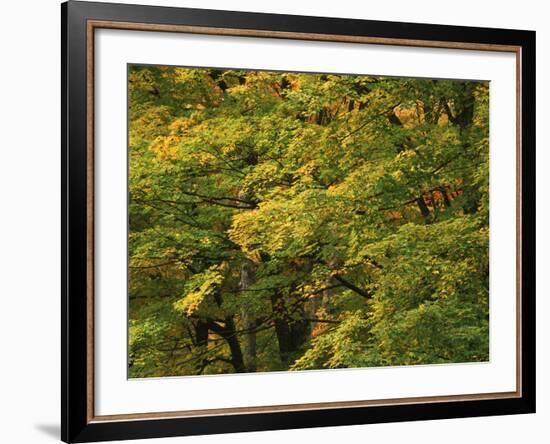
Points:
(284, 221)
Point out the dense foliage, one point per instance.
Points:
(283, 221)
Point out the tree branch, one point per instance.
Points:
(353, 287)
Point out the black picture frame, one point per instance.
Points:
(76, 423)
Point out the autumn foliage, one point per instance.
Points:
(285, 221)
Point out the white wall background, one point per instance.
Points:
(30, 207)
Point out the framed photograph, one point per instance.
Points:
(275, 221)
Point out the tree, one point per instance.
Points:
(296, 221)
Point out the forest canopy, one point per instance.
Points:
(291, 221)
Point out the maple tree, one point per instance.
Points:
(291, 221)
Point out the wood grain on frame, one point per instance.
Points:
(95, 24)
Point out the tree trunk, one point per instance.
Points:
(281, 328)
(320, 301)
(445, 196)
(230, 336)
(229, 333)
(201, 333)
(201, 340)
(423, 207)
(291, 334)
(249, 323)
